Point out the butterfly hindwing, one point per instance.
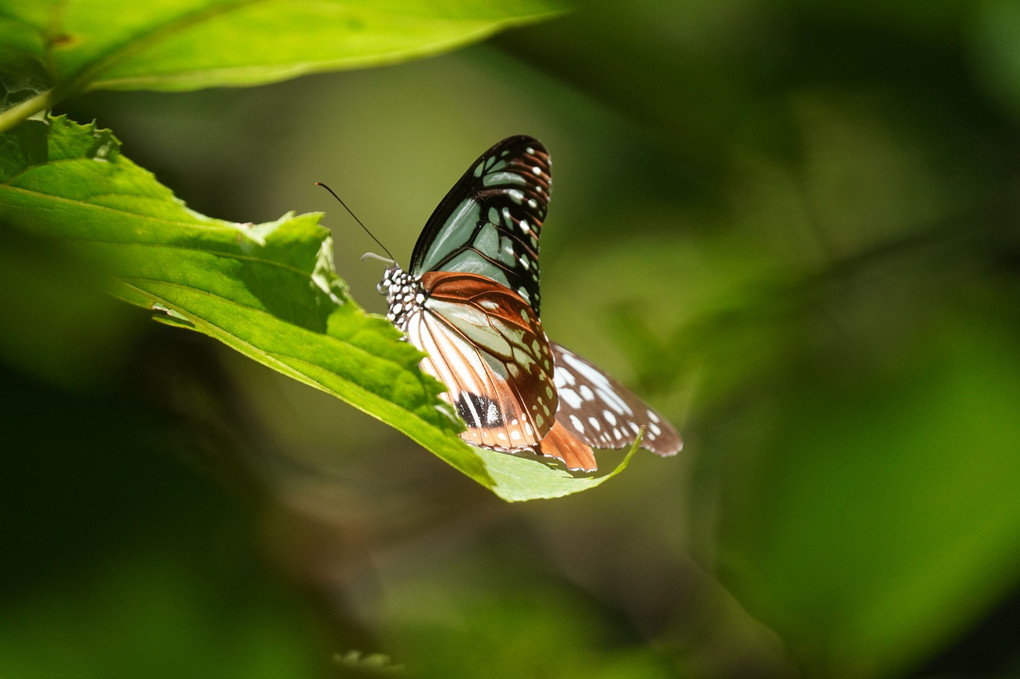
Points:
(603, 413)
(489, 222)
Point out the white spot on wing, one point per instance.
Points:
(614, 401)
(570, 397)
(600, 382)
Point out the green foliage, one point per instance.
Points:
(809, 206)
(72, 47)
(926, 463)
(268, 290)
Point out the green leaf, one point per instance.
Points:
(72, 46)
(267, 290)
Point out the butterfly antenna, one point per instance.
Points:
(351, 213)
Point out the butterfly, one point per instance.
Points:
(470, 301)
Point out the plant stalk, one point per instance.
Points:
(25, 110)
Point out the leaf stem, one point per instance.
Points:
(25, 110)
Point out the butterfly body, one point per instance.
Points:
(470, 301)
(506, 395)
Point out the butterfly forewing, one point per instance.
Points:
(489, 222)
(603, 413)
(487, 345)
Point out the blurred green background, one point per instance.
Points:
(791, 225)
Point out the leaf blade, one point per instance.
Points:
(207, 43)
(269, 291)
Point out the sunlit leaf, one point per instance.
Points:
(267, 290)
(82, 45)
